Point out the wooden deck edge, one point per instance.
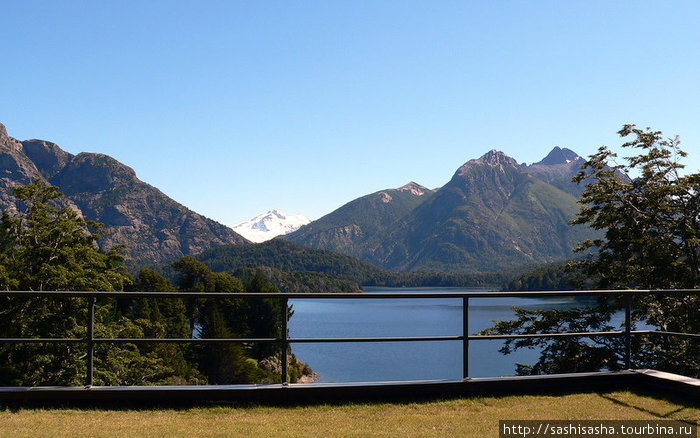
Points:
(669, 381)
(318, 392)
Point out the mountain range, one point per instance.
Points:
(493, 214)
(154, 227)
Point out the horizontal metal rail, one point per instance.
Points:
(377, 339)
(341, 340)
(90, 340)
(345, 296)
(547, 335)
(664, 333)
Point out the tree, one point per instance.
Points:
(225, 363)
(44, 247)
(47, 247)
(166, 318)
(650, 214)
(170, 312)
(263, 317)
(651, 222)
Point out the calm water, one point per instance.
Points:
(349, 362)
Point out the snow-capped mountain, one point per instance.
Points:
(270, 225)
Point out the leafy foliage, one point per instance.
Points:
(651, 223)
(292, 257)
(560, 356)
(43, 247)
(300, 282)
(651, 241)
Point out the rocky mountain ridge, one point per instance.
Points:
(557, 169)
(154, 227)
(492, 214)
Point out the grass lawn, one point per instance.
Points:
(460, 417)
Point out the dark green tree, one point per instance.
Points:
(163, 318)
(171, 312)
(651, 221)
(225, 363)
(263, 316)
(47, 247)
(218, 318)
(649, 211)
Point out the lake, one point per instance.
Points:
(355, 362)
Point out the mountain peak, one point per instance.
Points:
(559, 156)
(493, 158)
(496, 158)
(414, 188)
(276, 213)
(47, 156)
(7, 143)
(154, 227)
(269, 225)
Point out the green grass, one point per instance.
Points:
(462, 417)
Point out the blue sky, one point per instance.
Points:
(237, 107)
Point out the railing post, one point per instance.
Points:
(90, 340)
(465, 336)
(628, 324)
(285, 342)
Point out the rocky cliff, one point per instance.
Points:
(153, 226)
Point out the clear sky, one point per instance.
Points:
(237, 107)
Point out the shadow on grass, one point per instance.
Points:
(686, 403)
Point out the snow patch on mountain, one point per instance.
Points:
(270, 225)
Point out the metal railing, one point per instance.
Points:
(285, 341)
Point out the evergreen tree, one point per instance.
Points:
(44, 247)
(219, 318)
(163, 318)
(263, 316)
(225, 363)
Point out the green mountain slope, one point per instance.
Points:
(295, 268)
(348, 228)
(291, 257)
(490, 216)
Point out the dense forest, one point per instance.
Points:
(561, 276)
(329, 270)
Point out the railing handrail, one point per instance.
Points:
(284, 340)
(345, 295)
